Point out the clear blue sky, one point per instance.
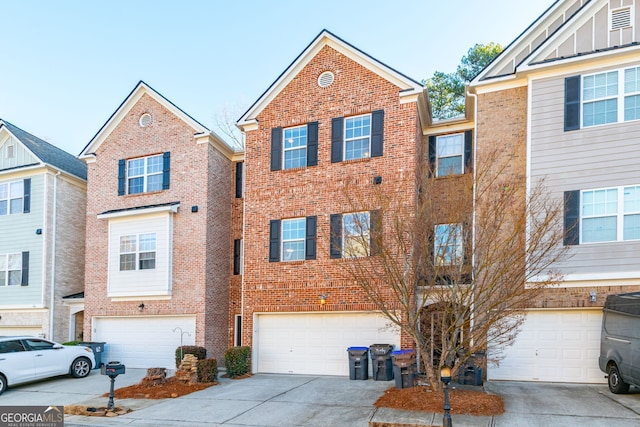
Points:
(67, 65)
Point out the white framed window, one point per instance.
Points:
(356, 229)
(295, 147)
(144, 174)
(611, 97)
(610, 214)
(293, 239)
(11, 197)
(11, 269)
(447, 248)
(138, 252)
(357, 137)
(450, 154)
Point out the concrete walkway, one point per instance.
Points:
(291, 400)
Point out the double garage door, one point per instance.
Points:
(144, 342)
(316, 343)
(554, 346)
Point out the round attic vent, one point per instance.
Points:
(145, 120)
(325, 79)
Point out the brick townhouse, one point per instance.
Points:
(159, 219)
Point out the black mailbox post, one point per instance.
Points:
(112, 370)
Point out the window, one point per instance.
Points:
(355, 234)
(357, 137)
(450, 158)
(602, 215)
(292, 239)
(138, 252)
(610, 214)
(598, 99)
(144, 174)
(14, 197)
(11, 269)
(10, 151)
(448, 244)
(238, 257)
(295, 147)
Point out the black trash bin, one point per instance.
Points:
(470, 373)
(404, 368)
(98, 350)
(381, 363)
(358, 363)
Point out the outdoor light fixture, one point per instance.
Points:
(323, 299)
(445, 377)
(141, 306)
(592, 296)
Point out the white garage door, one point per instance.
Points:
(17, 330)
(554, 346)
(316, 344)
(143, 342)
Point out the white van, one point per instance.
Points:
(620, 341)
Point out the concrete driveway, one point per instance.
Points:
(289, 400)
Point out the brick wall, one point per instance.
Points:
(199, 177)
(319, 190)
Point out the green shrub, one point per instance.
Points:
(207, 370)
(237, 360)
(199, 352)
(71, 342)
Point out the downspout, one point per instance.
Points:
(473, 208)
(53, 254)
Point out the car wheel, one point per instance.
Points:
(3, 383)
(80, 367)
(616, 384)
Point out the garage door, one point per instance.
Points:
(554, 346)
(316, 344)
(143, 342)
(17, 330)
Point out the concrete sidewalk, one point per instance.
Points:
(290, 400)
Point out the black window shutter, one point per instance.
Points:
(239, 179)
(312, 144)
(571, 218)
(121, 176)
(25, 269)
(336, 236)
(310, 238)
(236, 256)
(375, 232)
(276, 149)
(26, 201)
(336, 139)
(432, 156)
(166, 168)
(572, 103)
(377, 133)
(274, 240)
(468, 150)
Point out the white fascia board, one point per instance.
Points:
(135, 212)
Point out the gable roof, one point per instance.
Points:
(568, 31)
(47, 153)
(134, 96)
(409, 88)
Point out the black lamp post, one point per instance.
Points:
(445, 377)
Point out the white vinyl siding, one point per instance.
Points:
(137, 281)
(21, 156)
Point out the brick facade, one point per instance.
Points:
(319, 190)
(200, 176)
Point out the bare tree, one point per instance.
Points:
(454, 268)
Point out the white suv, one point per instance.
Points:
(25, 358)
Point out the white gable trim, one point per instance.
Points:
(143, 211)
(409, 89)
